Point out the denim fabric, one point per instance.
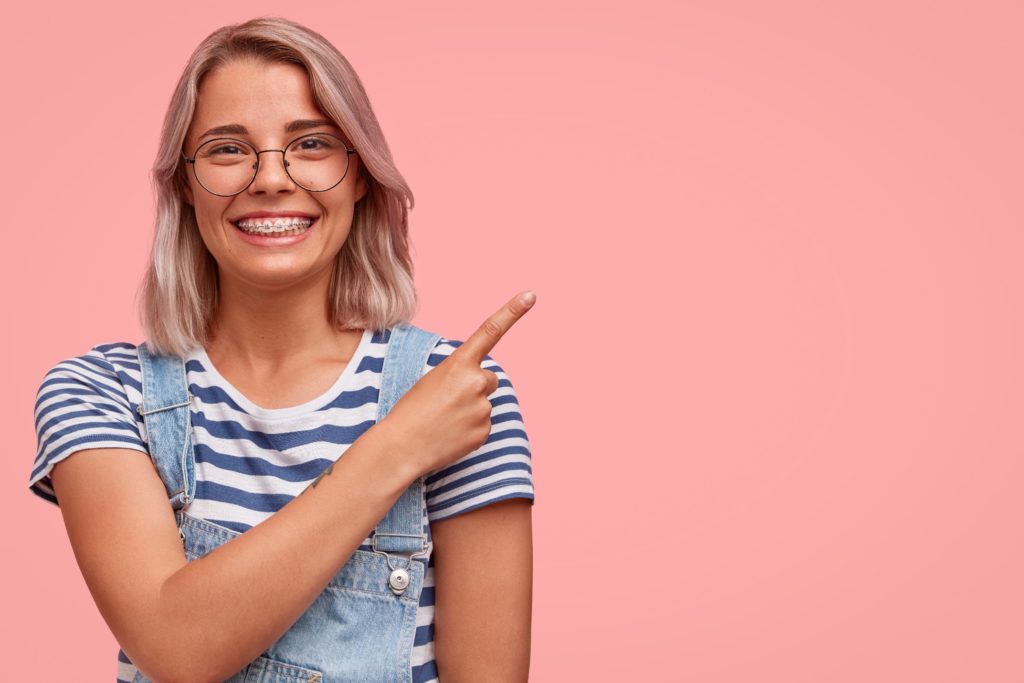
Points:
(362, 626)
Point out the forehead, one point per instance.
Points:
(260, 96)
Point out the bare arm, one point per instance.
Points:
(483, 573)
(205, 620)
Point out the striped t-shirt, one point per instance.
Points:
(250, 461)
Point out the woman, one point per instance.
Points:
(279, 275)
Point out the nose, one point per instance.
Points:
(271, 173)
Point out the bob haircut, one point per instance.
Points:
(371, 283)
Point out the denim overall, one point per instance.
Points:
(361, 627)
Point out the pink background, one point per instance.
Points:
(773, 380)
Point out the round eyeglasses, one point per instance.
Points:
(225, 166)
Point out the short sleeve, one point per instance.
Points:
(80, 404)
(497, 470)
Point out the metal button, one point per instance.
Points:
(398, 581)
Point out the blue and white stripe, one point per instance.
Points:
(250, 461)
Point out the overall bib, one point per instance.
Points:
(362, 625)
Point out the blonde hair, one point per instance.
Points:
(371, 285)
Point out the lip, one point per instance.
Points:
(283, 241)
(274, 214)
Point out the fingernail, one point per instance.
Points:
(527, 298)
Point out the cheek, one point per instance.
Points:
(212, 227)
(210, 214)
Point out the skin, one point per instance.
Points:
(204, 620)
(271, 338)
(273, 342)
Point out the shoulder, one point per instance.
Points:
(85, 401)
(102, 360)
(105, 370)
(497, 470)
(444, 347)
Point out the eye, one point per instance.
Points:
(227, 149)
(224, 148)
(313, 144)
(317, 143)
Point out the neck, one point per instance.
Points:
(267, 329)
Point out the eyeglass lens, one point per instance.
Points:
(314, 162)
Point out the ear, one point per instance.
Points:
(186, 189)
(361, 187)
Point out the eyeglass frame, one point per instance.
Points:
(256, 168)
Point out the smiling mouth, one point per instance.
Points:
(275, 227)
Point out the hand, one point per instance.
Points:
(447, 414)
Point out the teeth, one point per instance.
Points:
(291, 225)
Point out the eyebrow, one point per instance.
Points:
(294, 126)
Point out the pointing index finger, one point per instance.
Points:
(481, 342)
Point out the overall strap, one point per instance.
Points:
(165, 410)
(409, 347)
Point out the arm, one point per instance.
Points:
(483, 573)
(205, 620)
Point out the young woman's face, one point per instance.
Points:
(264, 99)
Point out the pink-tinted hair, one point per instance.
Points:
(372, 283)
